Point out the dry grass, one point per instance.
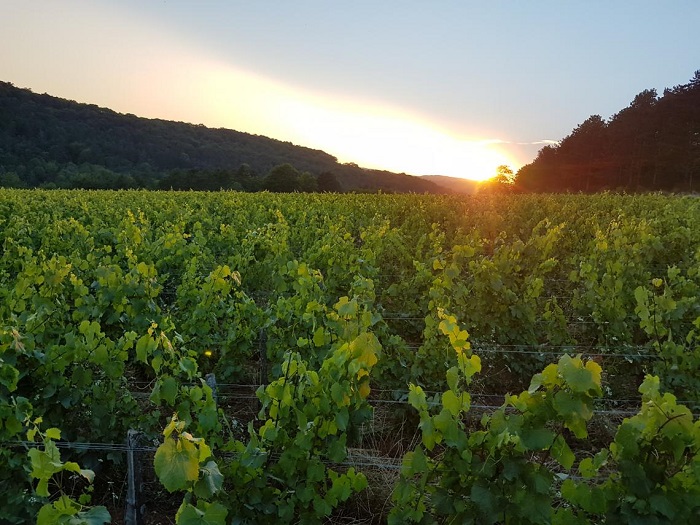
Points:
(385, 440)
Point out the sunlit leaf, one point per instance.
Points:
(177, 463)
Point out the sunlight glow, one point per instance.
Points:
(377, 137)
(365, 133)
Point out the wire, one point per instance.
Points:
(104, 447)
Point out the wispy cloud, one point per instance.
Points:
(534, 143)
(537, 142)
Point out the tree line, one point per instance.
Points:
(283, 178)
(653, 144)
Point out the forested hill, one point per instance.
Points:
(51, 142)
(653, 144)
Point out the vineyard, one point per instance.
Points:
(492, 359)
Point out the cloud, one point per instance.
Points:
(537, 142)
(534, 143)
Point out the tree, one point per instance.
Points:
(502, 182)
(327, 182)
(634, 141)
(282, 179)
(307, 183)
(504, 175)
(10, 179)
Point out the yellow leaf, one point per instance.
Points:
(364, 389)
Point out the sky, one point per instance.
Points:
(423, 87)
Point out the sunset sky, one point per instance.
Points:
(451, 88)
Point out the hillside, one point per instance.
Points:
(52, 142)
(653, 144)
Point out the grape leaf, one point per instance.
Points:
(211, 481)
(203, 514)
(177, 463)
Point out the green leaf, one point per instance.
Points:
(346, 308)
(49, 515)
(177, 463)
(269, 430)
(321, 506)
(578, 378)
(453, 378)
(168, 389)
(189, 366)
(487, 504)
(95, 516)
(319, 337)
(364, 349)
(53, 433)
(315, 472)
(337, 450)
(574, 410)
(452, 403)
(72, 466)
(444, 421)
(569, 491)
(144, 347)
(66, 505)
(626, 443)
(536, 438)
(9, 376)
(42, 488)
(203, 514)
(342, 417)
(641, 295)
(469, 365)
(587, 469)
(157, 362)
(341, 489)
(535, 383)
(142, 268)
(416, 398)
(44, 465)
(562, 452)
(549, 376)
(649, 387)
(414, 463)
(359, 480)
(210, 482)
(338, 393)
(429, 436)
(662, 504)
